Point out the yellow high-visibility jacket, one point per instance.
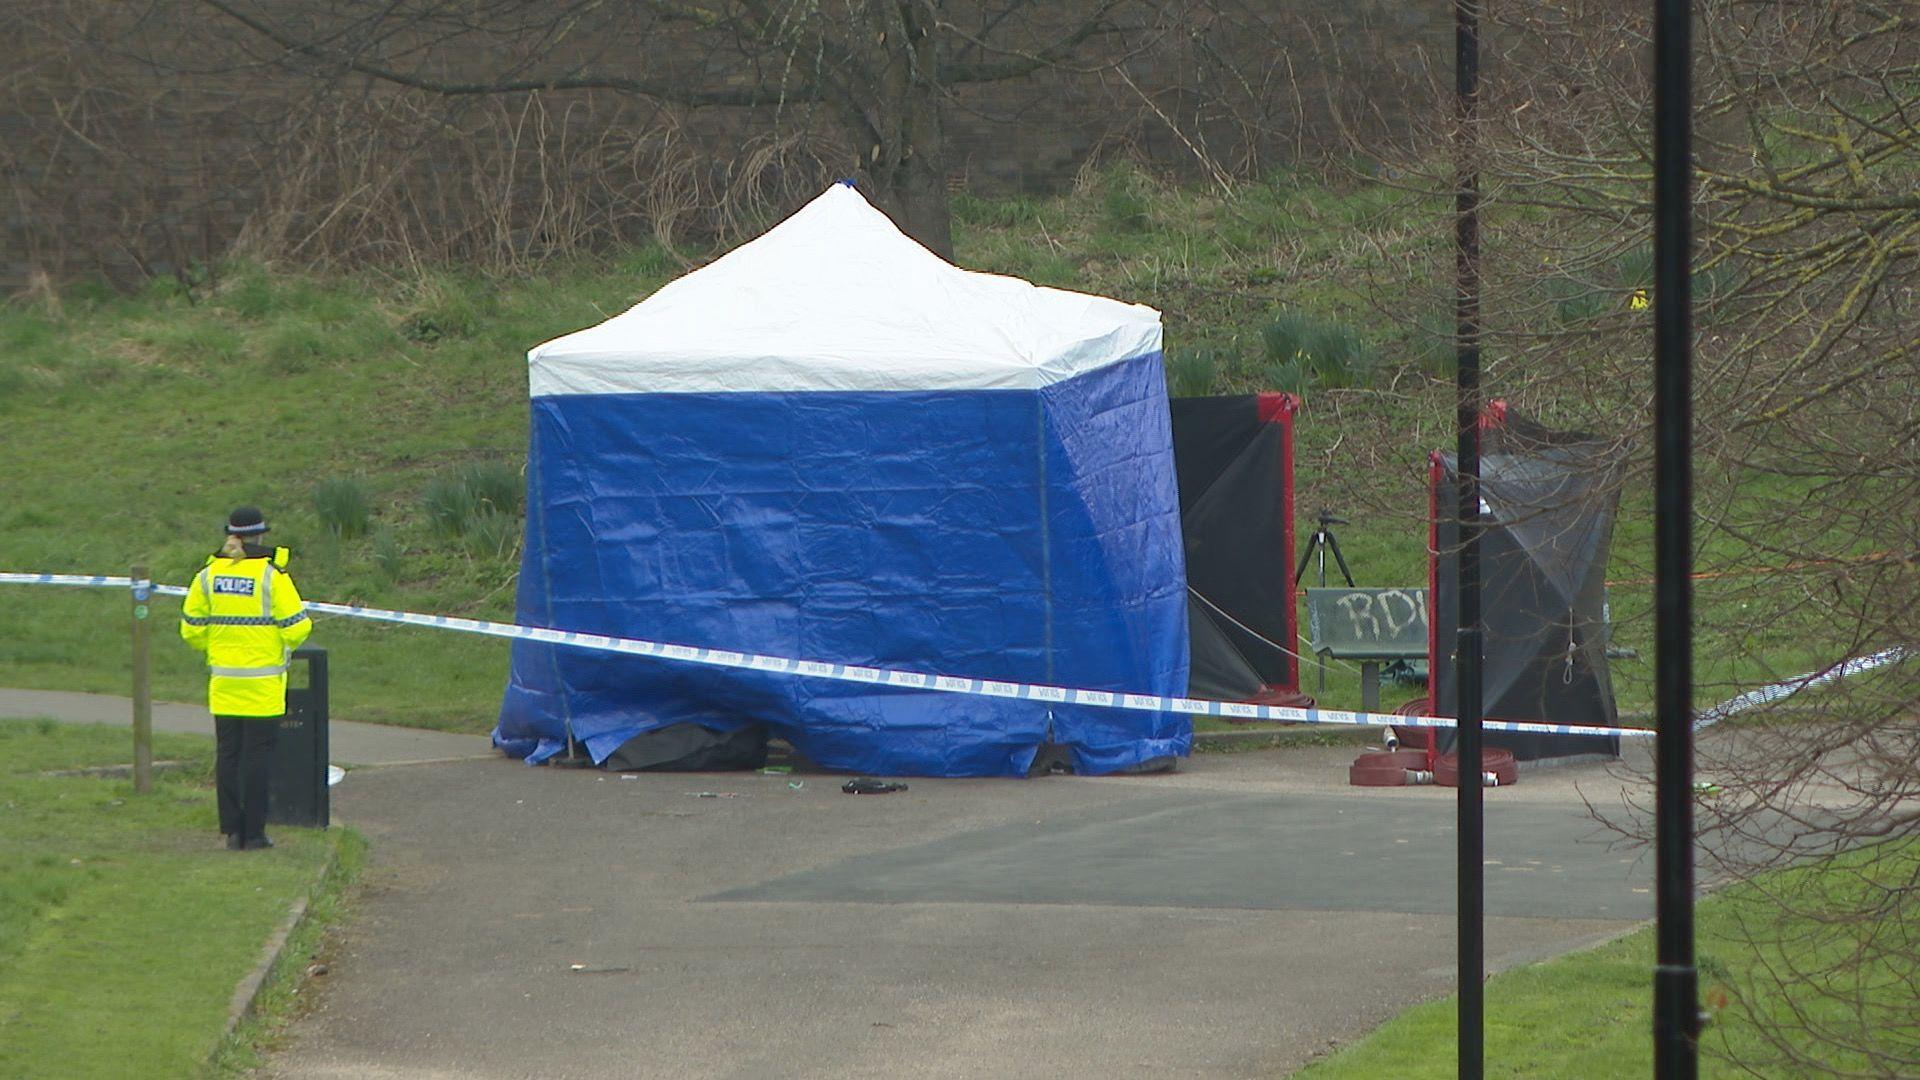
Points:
(247, 617)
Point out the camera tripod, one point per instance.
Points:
(1322, 542)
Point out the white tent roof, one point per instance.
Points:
(837, 298)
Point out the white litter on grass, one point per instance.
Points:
(335, 774)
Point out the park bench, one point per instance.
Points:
(1371, 626)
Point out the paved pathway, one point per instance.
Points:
(1232, 920)
(350, 743)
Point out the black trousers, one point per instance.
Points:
(241, 768)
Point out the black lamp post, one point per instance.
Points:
(1470, 836)
(1676, 991)
(1676, 1012)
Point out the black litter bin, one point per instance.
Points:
(298, 793)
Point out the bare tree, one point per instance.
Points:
(1807, 386)
(152, 137)
(882, 71)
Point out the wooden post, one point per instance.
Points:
(142, 691)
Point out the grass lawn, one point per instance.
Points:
(111, 405)
(124, 922)
(117, 415)
(1586, 1016)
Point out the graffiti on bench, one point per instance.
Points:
(1354, 623)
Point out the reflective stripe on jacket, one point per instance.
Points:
(247, 617)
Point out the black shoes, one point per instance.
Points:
(258, 843)
(234, 843)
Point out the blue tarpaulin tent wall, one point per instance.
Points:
(832, 445)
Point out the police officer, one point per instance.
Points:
(243, 612)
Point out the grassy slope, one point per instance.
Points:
(134, 423)
(124, 924)
(1586, 1016)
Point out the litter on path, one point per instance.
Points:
(867, 785)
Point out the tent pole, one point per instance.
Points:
(1470, 840)
(1676, 1009)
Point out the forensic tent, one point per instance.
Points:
(1234, 458)
(831, 445)
(1548, 504)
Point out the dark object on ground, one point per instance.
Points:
(692, 748)
(1056, 760)
(1052, 759)
(234, 843)
(867, 785)
(258, 843)
(1410, 672)
(1549, 500)
(574, 756)
(1233, 457)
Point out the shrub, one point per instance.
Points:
(1576, 302)
(492, 534)
(1192, 372)
(23, 333)
(343, 506)
(1014, 212)
(292, 345)
(1607, 293)
(456, 503)
(650, 260)
(95, 371)
(13, 384)
(163, 289)
(247, 292)
(1039, 264)
(1125, 200)
(193, 341)
(449, 503)
(1430, 342)
(388, 557)
(1333, 353)
(92, 291)
(1287, 376)
(1634, 269)
(496, 484)
(444, 306)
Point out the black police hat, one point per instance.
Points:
(246, 521)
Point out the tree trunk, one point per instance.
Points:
(916, 199)
(905, 162)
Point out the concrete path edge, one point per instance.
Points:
(246, 993)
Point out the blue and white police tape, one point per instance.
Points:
(1058, 695)
(68, 579)
(1775, 691)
